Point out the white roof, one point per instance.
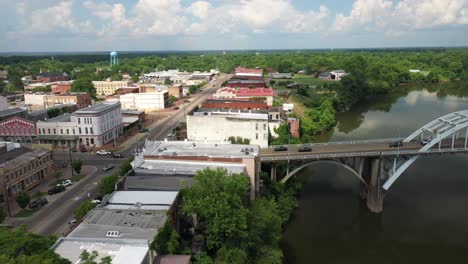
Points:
(121, 251)
(157, 198)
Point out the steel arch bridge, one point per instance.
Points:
(376, 164)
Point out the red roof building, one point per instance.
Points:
(61, 87)
(255, 92)
(244, 104)
(17, 129)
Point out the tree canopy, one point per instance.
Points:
(84, 85)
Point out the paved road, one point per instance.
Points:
(49, 219)
(293, 150)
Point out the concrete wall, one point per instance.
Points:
(34, 99)
(220, 128)
(144, 101)
(3, 103)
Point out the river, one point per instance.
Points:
(425, 217)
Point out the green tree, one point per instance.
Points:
(217, 201)
(117, 77)
(167, 240)
(90, 258)
(172, 100)
(22, 199)
(107, 184)
(51, 113)
(264, 223)
(84, 85)
(83, 209)
(239, 140)
(126, 166)
(43, 89)
(135, 78)
(76, 165)
(167, 81)
(231, 255)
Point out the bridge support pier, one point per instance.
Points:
(374, 190)
(273, 173)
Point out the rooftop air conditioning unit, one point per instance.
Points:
(112, 234)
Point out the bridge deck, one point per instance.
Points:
(357, 149)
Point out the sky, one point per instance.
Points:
(155, 25)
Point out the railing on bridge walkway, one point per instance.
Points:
(354, 142)
(297, 156)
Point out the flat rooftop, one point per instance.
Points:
(236, 114)
(157, 182)
(12, 111)
(20, 157)
(120, 251)
(10, 155)
(61, 118)
(194, 149)
(98, 108)
(144, 200)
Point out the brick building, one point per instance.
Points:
(17, 129)
(294, 127)
(81, 100)
(244, 104)
(127, 90)
(61, 87)
(47, 77)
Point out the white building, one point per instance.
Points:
(99, 124)
(145, 101)
(34, 99)
(60, 131)
(216, 125)
(109, 87)
(3, 103)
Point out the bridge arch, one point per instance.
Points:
(441, 128)
(295, 171)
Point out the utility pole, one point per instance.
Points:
(71, 160)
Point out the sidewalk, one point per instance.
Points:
(44, 187)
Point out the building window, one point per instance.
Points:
(68, 131)
(256, 126)
(91, 130)
(43, 131)
(86, 130)
(48, 130)
(61, 131)
(264, 126)
(79, 122)
(39, 131)
(92, 141)
(265, 136)
(79, 130)
(256, 135)
(55, 131)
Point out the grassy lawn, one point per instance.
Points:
(38, 195)
(77, 178)
(26, 212)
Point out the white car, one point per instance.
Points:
(67, 183)
(96, 202)
(103, 152)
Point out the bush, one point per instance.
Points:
(83, 209)
(126, 166)
(76, 165)
(107, 184)
(232, 255)
(166, 241)
(23, 199)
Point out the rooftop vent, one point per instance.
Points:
(112, 234)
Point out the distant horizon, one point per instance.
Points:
(13, 53)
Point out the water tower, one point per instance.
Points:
(114, 58)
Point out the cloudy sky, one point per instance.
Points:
(95, 25)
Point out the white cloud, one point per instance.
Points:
(200, 9)
(365, 13)
(54, 17)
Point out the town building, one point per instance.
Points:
(3, 75)
(275, 119)
(22, 169)
(240, 71)
(61, 87)
(99, 124)
(177, 91)
(47, 77)
(4, 103)
(145, 101)
(243, 104)
(280, 75)
(127, 90)
(42, 114)
(121, 228)
(17, 129)
(225, 93)
(294, 127)
(81, 100)
(151, 88)
(239, 83)
(335, 75)
(109, 87)
(267, 93)
(12, 112)
(60, 132)
(197, 80)
(132, 117)
(217, 125)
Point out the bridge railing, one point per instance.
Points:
(367, 141)
(297, 156)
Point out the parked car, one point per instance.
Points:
(396, 144)
(67, 183)
(103, 152)
(117, 155)
(143, 130)
(305, 149)
(72, 222)
(280, 148)
(56, 189)
(108, 167)
(38, 203)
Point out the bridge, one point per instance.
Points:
(377, 163)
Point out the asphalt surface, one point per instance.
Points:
(293, 150)
(53, 218)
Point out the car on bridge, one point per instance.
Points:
(305, 149)
(103, 152)
(396, 144)
(280, 148)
